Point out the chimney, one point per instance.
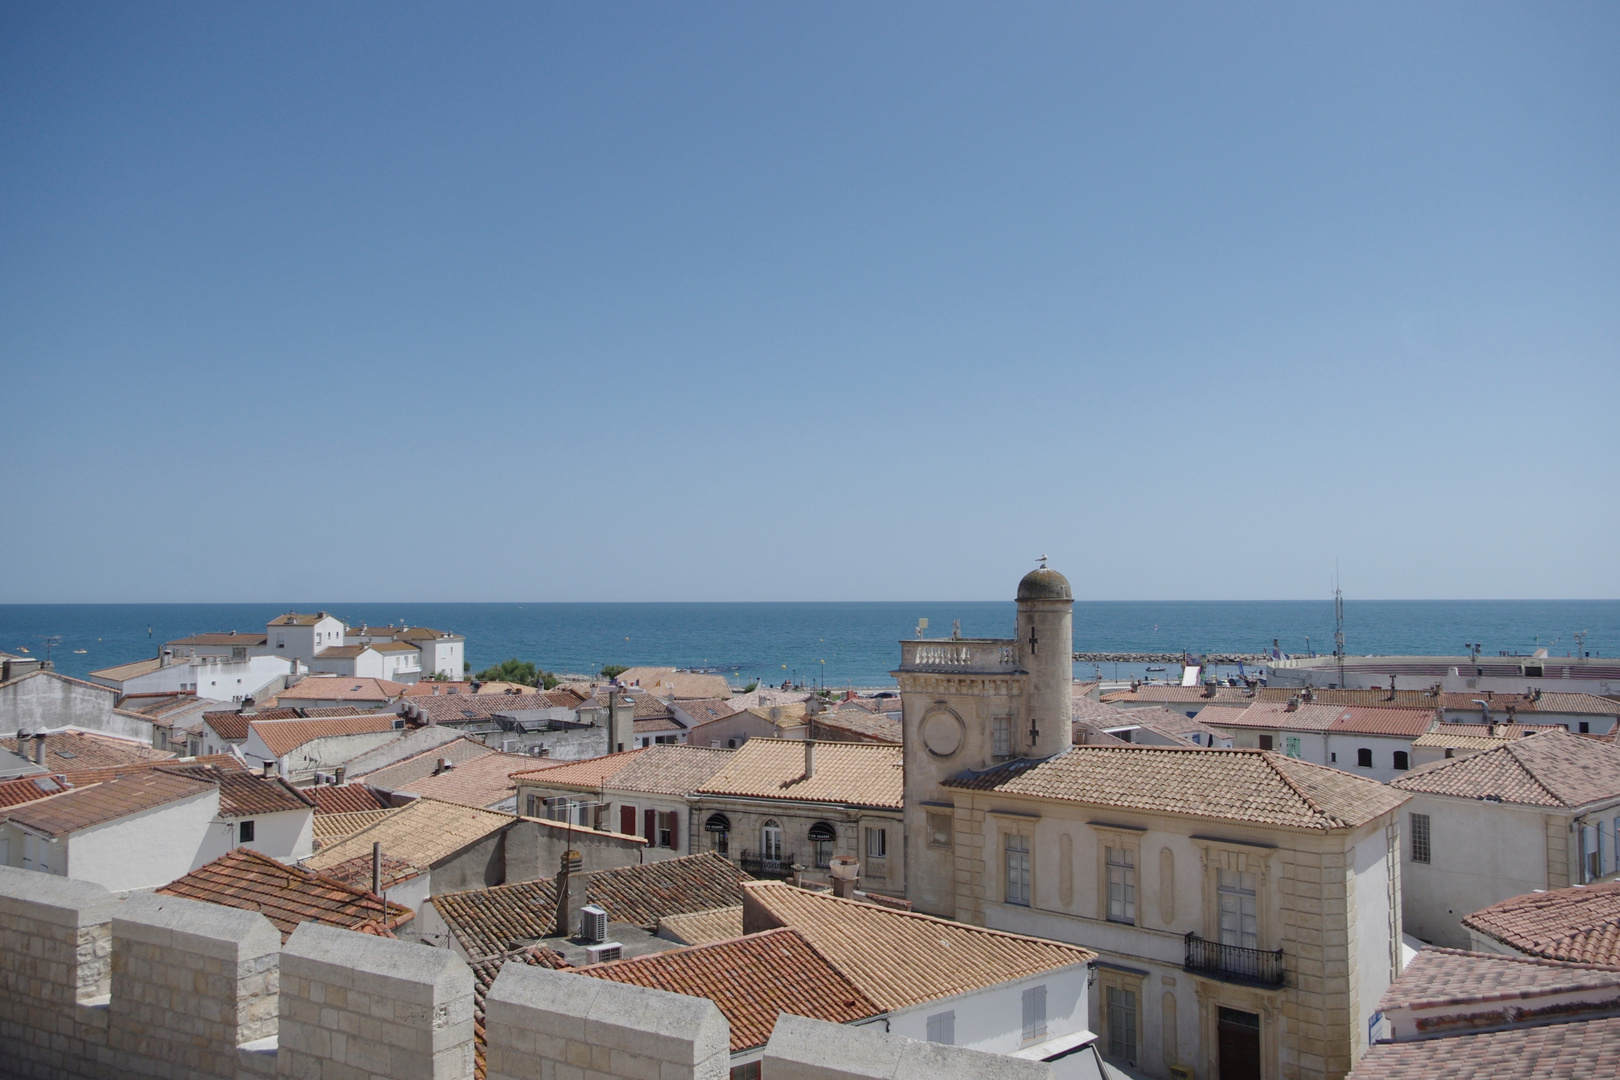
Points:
(621, 724)
(376, 868)
(570, 894)
(809, 758)
(1307, 694)
(342, 771)
(443, 766)
(1392, 688)
(850, 695)
(1209, 689)
(269, 769)
(845, 871)
(1292, 706)
(39, 749)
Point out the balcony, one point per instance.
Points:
(1233, 963)
(760, 865)
(960, 656)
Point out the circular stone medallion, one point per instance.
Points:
(942, 733)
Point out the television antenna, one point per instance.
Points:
(1580, 643)
(51, 641)
(1338, 624)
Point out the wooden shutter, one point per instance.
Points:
(627, 820)
(650, 818)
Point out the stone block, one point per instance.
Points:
(802, 1049)
(52, 901)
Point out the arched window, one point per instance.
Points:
(1364, 758)
(823, 836)
(770, 839)
(719, 829)
(1401, 761)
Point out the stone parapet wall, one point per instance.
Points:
(174, 989)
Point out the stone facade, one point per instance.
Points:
(163, 987)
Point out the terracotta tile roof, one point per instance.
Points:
(73, 751)
(1576, 1050)
(1550, 769)
(1580, 924)
(498, 919)
(344, 799)
(667, 682)
(702, 710)
(221, 763)
(26, 789)
(1370, 720)
(1478, 739)
(341, 688)
(1275, 716)
(483, 781)
(1179, 694)
(1581, 704)
(752, 980)
(330, 828)
(233, 726)
(245, 794)
(670, 769)
(454, 708)
(342, 652)
(649, 707)
(656, 725)
(703, 927)
(356, 872)
(286, 895)
(1165, 722)
(227, 637)
(899, 958)
(122, 672)
(857, 725)
(423, 833)
(438, 688)
(856, 774)
(1237, 785)
(1380, 698)
(81, 808)
(1087, 733)
(396, 775)
(590, 773)
(1455, 977)
(282, 737)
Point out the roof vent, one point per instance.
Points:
(593, 927)
(608, 950)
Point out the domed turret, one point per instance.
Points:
(1044, 584)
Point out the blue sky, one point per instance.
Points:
(731, 302)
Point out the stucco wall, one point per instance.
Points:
(43, 700)
(1480, 853)
(992, 1020)
(168, 839)
(288, 836)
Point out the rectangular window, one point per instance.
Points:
(1001, 727)
(535, 807)
(939, 830)
(877, 843)
(1419, 840)
(244, 832)
(1121, 885)
(666, 829)
(1017, 852)
(1240, 909)
(750, 1071)
(1034, 1013)
(1291, 745)
(1122, 1023)
(1265, 742)
(942, 1028)
(1401, 761)
(1364, 758)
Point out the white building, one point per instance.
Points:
(136, 832)
(263, 814)
(1540, 812)
(300, 748)
(1373, 742)
(207, 676)
(298, 636)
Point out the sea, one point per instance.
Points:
(838, 644)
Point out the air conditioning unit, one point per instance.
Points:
(592, 923)
(608, 950)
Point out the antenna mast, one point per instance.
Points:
(1338, 625)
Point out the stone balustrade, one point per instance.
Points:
(175, 989)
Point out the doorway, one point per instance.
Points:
(1239, 1045)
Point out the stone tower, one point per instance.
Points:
(971, 703)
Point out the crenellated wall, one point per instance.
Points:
(175, 989)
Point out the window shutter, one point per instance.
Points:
(674, 830)
(627, 820)
(650, 817)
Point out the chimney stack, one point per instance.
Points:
(39, 749)
(376, 869)
(570, 894)
(845, 872)
(809, 758)
(269, 769)
(342, 771)
(443, 766)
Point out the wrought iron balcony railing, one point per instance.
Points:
(1234, 963)
(762, 865)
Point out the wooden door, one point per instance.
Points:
(1239, 1045)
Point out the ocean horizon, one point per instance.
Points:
(837, 643)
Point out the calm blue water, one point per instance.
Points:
(856, 640)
